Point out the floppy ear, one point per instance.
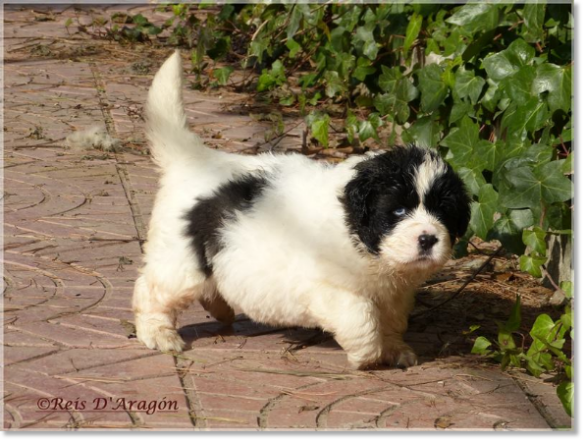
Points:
(359, 195)
(465, 215)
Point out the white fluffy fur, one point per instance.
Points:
(95, 137)
(290, 260)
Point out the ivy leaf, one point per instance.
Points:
(424, 132)
(566, 393)
(533, 14)
(481, 346)
(320, 129)
(293, 47)
(351, 125)
(333, 84)
(476, 17)
(369, 128)
(412, 31)
(535, 239)
(468, 85)
(397, 101)
(518, 86)
(556, 187)
(487, 151)
(557, 82)
(459, 110)
(508, 227)
(223, 74)
(364, 39)
(515, 319)
(509, 61)
(433, 89)
(363, 69)
(388, 79)
(482, 211)
(296, 16)
(461, 141)
(567, 287)
(472, 178)
(531, 264)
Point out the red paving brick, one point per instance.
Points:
(73, 226)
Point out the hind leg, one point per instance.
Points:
(215, 304)
(156, 309)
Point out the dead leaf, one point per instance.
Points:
(443, 422)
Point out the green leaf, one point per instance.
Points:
(296, 16)
(526, 187)
(482, 211)
(508, 229)
(567, 287)
(461, 141)
(557, 82)
(223, 74)
(533, 14)
(459, 110)
(556, 187)
(369, 128)
(515, 318)
(476, 17)
(433, 89)
(320, 129)
(412, 31)
(509, 61)
(532, 265)
(424, 132)
(333, 84)
(389, 78)
(363, 69)
(535, 239)
(397, 101)
(351, 125)
(486, 151)
(481, 346)
(293, 47)
(364, 39)
(567, 168)
(543, 328)
(467, 85)
(472, 178)
(566, 393)
(518, 86)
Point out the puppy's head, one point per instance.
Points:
(407, 206)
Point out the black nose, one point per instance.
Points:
(427, 241)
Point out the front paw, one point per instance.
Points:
(159, 336)
(399, 355)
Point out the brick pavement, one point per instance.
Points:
(73, 227)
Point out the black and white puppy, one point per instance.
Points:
(289, 241)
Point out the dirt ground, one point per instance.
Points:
(74, 225)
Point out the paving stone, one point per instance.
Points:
(73, 222)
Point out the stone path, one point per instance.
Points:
(73, 228)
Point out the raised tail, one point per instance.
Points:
(170, 139)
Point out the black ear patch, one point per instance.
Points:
(209, 214)
(448, 200)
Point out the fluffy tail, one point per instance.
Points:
(170, 139)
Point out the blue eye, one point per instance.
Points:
(400, 211)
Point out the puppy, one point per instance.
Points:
(290, 241)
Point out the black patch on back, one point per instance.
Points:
(382, 184)
(209, 214)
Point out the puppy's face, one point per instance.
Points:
(408, 207)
